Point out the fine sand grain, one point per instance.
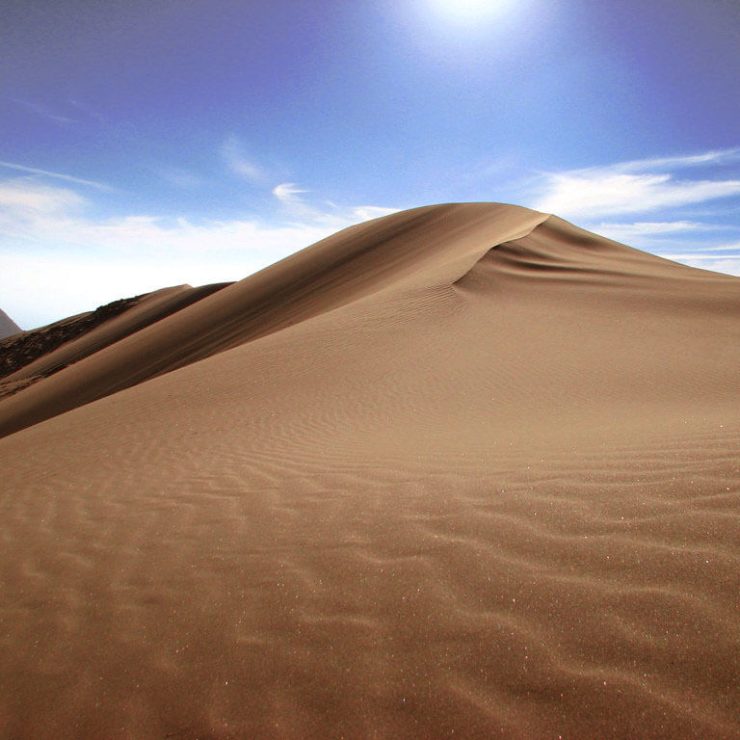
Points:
(464, 471)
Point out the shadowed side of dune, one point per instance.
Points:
(25, 348)
(47, 350)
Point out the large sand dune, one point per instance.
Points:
(463, 471)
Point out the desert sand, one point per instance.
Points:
(466, 470)
(30, 356)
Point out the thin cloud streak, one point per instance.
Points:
(728, 265)
(56, 175)
(699, 256)
(233, 154)
(637, 186)
(651, 232)
(44, 112)
(644, 228)
(714, 157)
(724, 248)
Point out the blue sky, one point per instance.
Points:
(151, 143)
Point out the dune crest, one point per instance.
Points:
(466, 469)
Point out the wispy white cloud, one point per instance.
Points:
(48, 231)
(638, 186)
(87, 110)
(654, 227)
(288, 192)
(604, 193)
(233, 153)
(699, 256)
(650, 231)
(680, 162)
(55, 175)
(724, 248)
(44, 112)
(290, 195)
(367, 213)
(715, 253)
(728, 265)
(23, 199)
(179, 177)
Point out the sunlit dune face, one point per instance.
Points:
(470, 10)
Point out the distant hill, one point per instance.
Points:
(7, 325)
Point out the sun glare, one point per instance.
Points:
(470, 10)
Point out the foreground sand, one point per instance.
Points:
(465, 471)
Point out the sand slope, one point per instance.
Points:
(464, 470)
(361, 260)
(31, 356)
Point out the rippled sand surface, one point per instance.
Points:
(463, 471)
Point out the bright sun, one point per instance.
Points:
(470, 9)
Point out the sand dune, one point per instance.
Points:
(341, 269)
(37, 354)
(465, 470)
